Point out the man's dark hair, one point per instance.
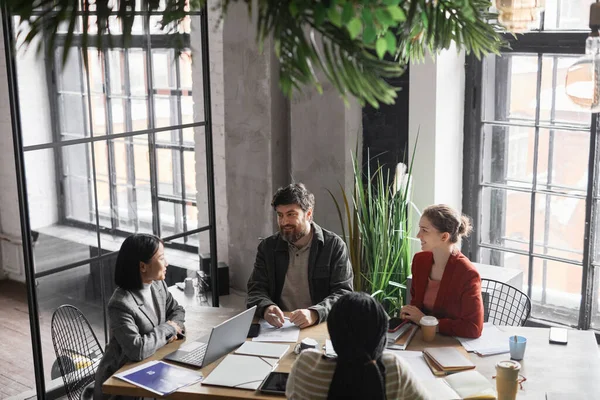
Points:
(295, 193)
(137, 248)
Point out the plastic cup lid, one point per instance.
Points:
(429, 321)
(509, 364)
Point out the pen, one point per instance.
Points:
(276, 316)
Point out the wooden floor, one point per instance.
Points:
(16, 359)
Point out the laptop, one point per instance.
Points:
(222, 339)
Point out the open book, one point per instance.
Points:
(463, 385)
(446, 360)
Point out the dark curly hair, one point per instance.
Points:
(295, 193)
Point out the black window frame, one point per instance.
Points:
(538, 43)
(146, 42)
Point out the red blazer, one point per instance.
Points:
(458, 306)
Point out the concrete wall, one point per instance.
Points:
(218, 131)
(436, 113)
(254, 141)
(324, 134)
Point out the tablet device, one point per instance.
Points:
(274, 383)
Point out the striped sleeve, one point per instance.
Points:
(401, 383)
(310, 377)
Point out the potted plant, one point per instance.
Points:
(376, 229)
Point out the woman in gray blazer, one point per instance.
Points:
(143, 315)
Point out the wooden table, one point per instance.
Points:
(572, 369)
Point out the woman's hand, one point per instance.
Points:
(411, 313)
(178, 330)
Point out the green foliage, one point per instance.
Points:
(355, 44)
(378, 221)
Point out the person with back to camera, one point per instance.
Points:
(143, 315)
(445, 283)
(357, 325)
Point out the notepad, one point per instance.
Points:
(469, 385)
(446, 360)
(159, 377)
(270, 350)
(241, 372)
(491, 341)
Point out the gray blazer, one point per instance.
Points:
(135, 332)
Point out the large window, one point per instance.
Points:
(530, 158)
(110, 150)
(145, 177)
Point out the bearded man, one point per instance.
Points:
(303, 268)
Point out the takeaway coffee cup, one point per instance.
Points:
(507, 379)
(428, 326)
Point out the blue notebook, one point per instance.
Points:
(159, 377)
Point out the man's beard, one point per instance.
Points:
(295, 234)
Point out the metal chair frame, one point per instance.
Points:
(73, 336)
(504, 304)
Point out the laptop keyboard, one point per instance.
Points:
(196, 356)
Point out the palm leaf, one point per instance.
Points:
(309, 40)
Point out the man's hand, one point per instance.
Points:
(274, 316)
(304, 318)
(411, 313)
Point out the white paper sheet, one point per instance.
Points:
(491, 341)
(268, 333)
(416, 362)
(329, 351)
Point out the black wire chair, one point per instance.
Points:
(504, 304)
(77, 351)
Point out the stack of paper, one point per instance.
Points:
(491, 341)
(268, 333)
(402, 342)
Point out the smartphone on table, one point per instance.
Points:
(558, 335)
(396, 323)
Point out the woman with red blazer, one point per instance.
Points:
(445, 284)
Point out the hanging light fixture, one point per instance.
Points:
(519, 16)
(582, 84)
